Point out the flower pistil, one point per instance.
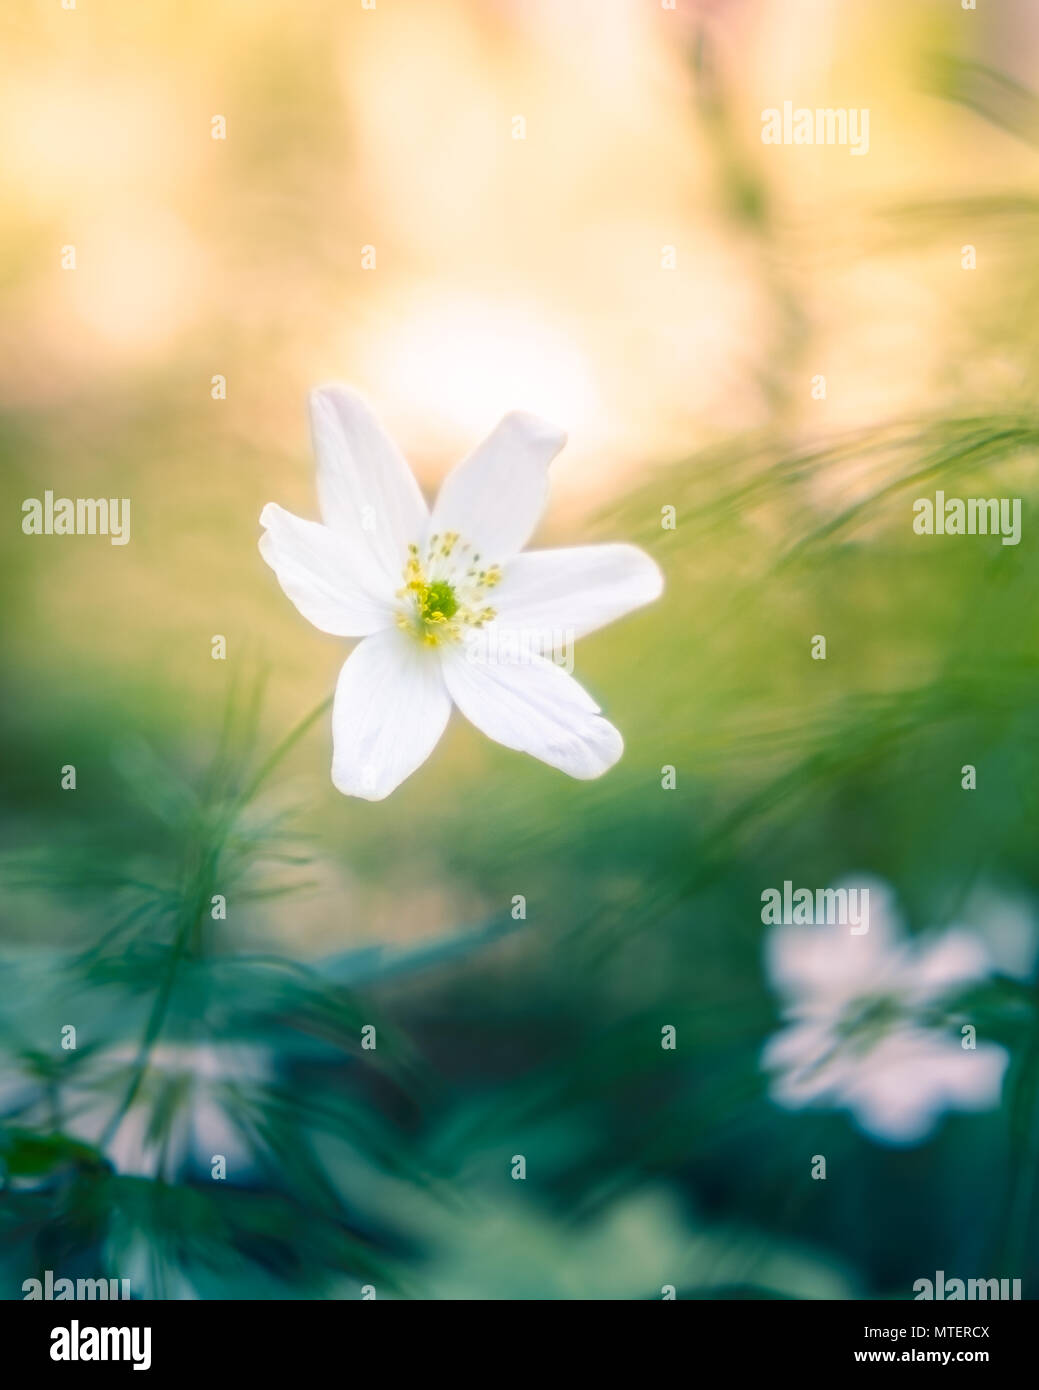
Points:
(444, 590)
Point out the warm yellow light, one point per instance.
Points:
(137, 277)
(462, 364)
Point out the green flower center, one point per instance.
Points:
(437, 609)
(438, 603)
(865, 1022)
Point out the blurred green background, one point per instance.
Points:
(508, 274)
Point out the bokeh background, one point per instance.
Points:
(509, 273)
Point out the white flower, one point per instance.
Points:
(859, 1035)
(192, 1105)
(428, 592)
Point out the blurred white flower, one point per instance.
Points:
(427, 590)
(858, 1036)
(188, 1109)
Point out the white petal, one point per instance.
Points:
(315, 570)
(806, 1065)
(391, 706)
(575, 591)
(828, 966)
(536, 708)
(970, 1078)
(913, 1075)
(367, 492)
(948, 962)
(493, 498)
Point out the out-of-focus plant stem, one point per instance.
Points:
(1024, 1155)
(203, 879)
